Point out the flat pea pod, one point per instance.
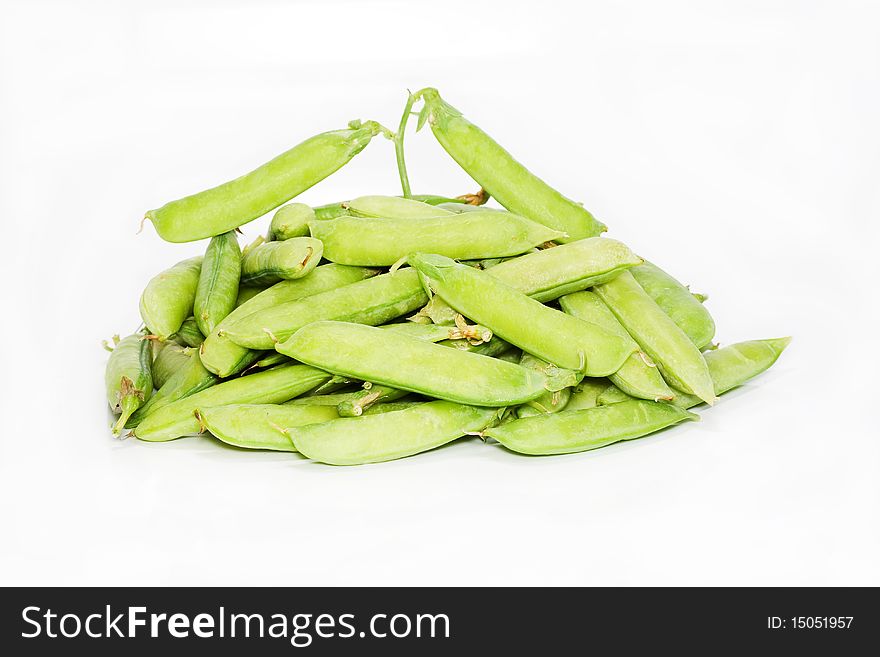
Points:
(680, 362)
(533, 327)
(260, 426)
(361, 401)
(217, 290)
(237, 202)
(128, 377)
(508, 181)
(405, 363)
(683, 307)
(291, 220)
(271, 262)
(225, 358)
(393, 207)
(382, 242)
(270, 387)
(190, 378)
(577, 431)
(169, 297)
(387, 436)
(170, 359)
(638, 376)
(373, 301)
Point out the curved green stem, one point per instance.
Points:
(398, 145)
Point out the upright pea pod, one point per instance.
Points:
(508, 181)
(237, 202)
(127, 377)
(169, 297)
(217, 291)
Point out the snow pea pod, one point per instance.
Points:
(390, 407)
(577, 431)
(683, 307)
(530, 325)
(223, 357)
(170, 359)
(270, 387)
(461, 330)
(638, 376)
(237, 202)
(586, 393)
(127, 377)
(512, 185)
(189, 334)
(169, 296)
(393, 207)
(373, 301)
(190, 378)
(402, 362)
(271, 262)
(549, 402)
(217, 290)
(260, 426)
(291, 220)
(387, 436)
(383, 241)
(360, 401)
(680, 362)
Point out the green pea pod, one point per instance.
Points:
(265, 264)
(578, 431)
(246, 293)
(382, 242)
(260, 426)
(495, 347)
(388, 436)
(291, 220)
(614, 395)
(372, 301)
(549, 402)
(331, 211)
(533, 327)
(225, 358)
(405, 363)
(683, 307)
(270, 387)
(169, 297)
(220, 209)
(190, 378)
(558, 378)
(638, 376)
(189, 334)
(586, 394)
(332, 399)
(475, 334)
(361, 401)
(218, 282)
(271, 359)
(393, 207)
(169, 360)
(512, 185)
(680, 362)
(127, 377)
(390, 407)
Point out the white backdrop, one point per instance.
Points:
(735, 144)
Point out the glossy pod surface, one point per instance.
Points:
(217, 290)
(578, 431)
(392, 435)
(128, 378)
(237, 202)
(533, 327)
(399, 361)
(169, 297)
(384, 241)
(373, 301)
(260, 426)
(223, 357)
(681, 363)
(508, 181)
(683, 307)
(270, 387)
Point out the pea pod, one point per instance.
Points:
(370, 395)
(372, 301)
(549, 402)
(270, 387)
(220, 209)
(260, 426)
(683, 307)
(512, 185)
(190, 378)
(387, 436)
(169, 296)
(533, 327)
(291, 220)
(406, 363)
(127, 377)
(585, 394)
(393, 207)
(189, 334)
(390, 407)
(217, 290)
(638, 376)
(225, 358)
(169, 360)
(461, 330)
(577, 431)
(680, 362)
(382, 242)
(271, 262)
(246, 293)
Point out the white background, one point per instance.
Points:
(734, 143)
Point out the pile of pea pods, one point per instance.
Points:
(384, 326)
